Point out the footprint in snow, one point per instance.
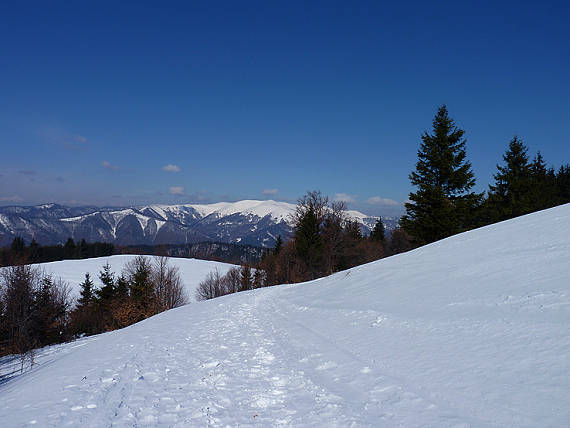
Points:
(327, 365)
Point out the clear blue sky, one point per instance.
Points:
(268, 99)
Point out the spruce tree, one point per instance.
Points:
(377, 233)
(562, 185)
(18, 246)
(442, 205)
(308, 242)
(246, 280)
(69, 249)
(140, 282)
(87, 292)
(511, 195)
(107, 292)
(542, 184)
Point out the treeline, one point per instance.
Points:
(36, 309)
(444, 203)
(19, 252)
(325, 241)
(235, 280)
(208, 250)
(143, 289)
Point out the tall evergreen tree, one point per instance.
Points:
(69, 249)
(107, 292)
(562, 180)
(542, 186)
(246, 280)
(139, 278)
(87, 293)
(511, 195)
(442, 205)
(308, 242)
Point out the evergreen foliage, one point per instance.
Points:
(377, 233)
(442, 204)
(325, 241)
(18, 252)
(87, 293)
(107, 292)
(510, 196)
(246, 279)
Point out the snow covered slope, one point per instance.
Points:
(192, 271)
(472, 331)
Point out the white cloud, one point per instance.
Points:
(270, 192)
(10, 199)
(108, 165)
(377, 200)
(176, 190)
(79, 139)
(171, 168)
(344, 197)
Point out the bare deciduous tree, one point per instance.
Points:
(211, 287)
(168, 287)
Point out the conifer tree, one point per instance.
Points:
(442, 205)
(87, 292)
(69, 249)
(511, 195)
(562, 180)
(18, 246)
(139, 277)
(122, 287)
(246, 280)
(83, 249)
(107, 292)
(308, 242)
(377, 233)
(34, 250)
(543, 187)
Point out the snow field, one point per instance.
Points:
(471, 331)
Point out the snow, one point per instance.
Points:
(277, 210)
(281, 211)
(192, 271)
(471, 331)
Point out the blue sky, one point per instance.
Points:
(115, 103)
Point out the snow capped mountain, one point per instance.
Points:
(279, 211)
(250, 222)
(470, 331)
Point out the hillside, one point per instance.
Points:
(472, 331)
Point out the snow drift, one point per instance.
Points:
(469, 331)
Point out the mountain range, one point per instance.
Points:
(250, 222)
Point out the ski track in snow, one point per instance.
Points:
(409, 341)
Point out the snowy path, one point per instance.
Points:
(245, 363)
(473, 331)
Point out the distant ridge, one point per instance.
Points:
(250, 222)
